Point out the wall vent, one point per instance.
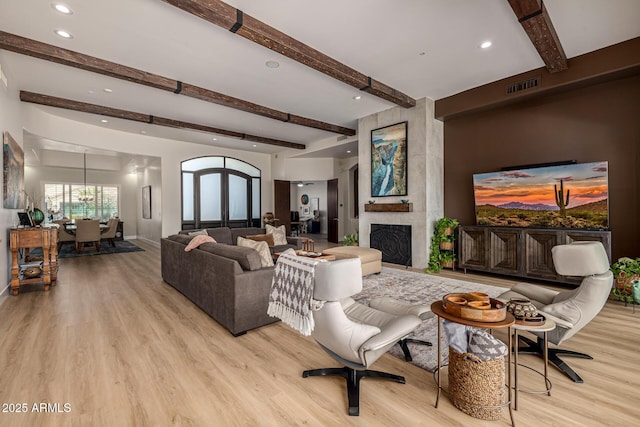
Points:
(520, 86)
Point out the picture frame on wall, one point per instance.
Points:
(146, 202)
(389, 160)
(13, 173)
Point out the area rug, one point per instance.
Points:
(68, 250)
(419, 288)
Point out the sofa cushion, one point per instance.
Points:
(279, 234)
(261, 247)
(198, 233)
(183, 238)
(222, 235)
(248, 258)
(243, 232)
(262, 238)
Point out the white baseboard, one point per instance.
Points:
(5, 293)
(151, 242)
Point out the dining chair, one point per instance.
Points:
(63, 235)
(87, 231)
(110, 234)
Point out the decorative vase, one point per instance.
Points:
(37, 216)
(522, 308)
(31, 272)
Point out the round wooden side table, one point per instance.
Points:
(438, 310)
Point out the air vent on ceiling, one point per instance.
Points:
(520, 86)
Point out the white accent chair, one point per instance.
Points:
(573, 309)
(353, 334)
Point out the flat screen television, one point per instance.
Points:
(566, 196)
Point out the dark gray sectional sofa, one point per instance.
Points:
(228, 282)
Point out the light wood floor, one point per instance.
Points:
(123, 348)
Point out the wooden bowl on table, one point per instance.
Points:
(474, 307)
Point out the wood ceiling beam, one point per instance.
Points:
(228, 17)
(68, 104)
(535, 20)
(73, 59)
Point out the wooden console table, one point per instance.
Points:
(27, 239)
(522, 252)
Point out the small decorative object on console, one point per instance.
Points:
(521, 308)
(31, 272)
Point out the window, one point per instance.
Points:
(220, 191)
(74, 201)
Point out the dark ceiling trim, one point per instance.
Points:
(223, 15)
(68, 104)
(614, 62)
(537, 24)
(73, 59)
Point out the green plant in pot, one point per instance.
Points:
(350, 239)
(626, 270)
(441, 252)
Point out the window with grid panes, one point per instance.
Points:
(75, 201)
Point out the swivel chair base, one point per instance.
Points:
(553, 353)
(353, 376)
(405, 349)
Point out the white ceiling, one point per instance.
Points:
(425, 48)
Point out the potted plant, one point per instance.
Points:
(350, 239)
(625, 270)
(442, 253)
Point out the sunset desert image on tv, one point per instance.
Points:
(568, 196)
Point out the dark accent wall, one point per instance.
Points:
(594, 123)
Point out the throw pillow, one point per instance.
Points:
(198, 233)
(198, 240)
(263, 238)
(260, 247)
(279, 234)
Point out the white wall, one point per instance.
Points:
(10, 120)
(425, 147)
(171, 153)
(150, 229)
(36, 177)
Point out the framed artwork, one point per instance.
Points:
(13, 173)
(146, 202)
(305, 210)
(389, 161)
(304, 199)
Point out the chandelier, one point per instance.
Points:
(85, 197)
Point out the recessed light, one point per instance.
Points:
(215, 139)
(104, 121)
(254, 145)
(91, 92)
(106, 89)
(64, 34)
(357, 97)
(348, 151)
(62, 8)
(144, 132)
(272, 64)
(485, 45)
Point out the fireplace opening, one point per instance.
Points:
(394, 241)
